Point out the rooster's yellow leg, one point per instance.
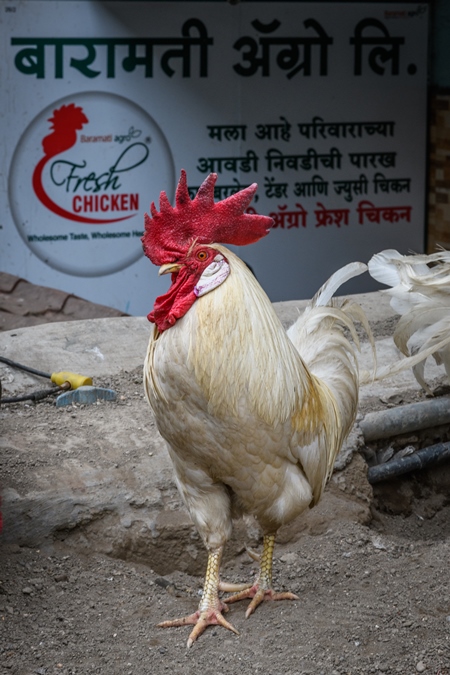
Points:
(210, 609)
(262, 588)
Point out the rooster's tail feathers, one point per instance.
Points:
(328, 316)
(347, 311)
(408, 273)
(383, 268)
(329, 288)
(408, 362)
(420, 293)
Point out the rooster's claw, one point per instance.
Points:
(258, 595)
(201, 620)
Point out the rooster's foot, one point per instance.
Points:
(201, 619)
(210, 609)
(258, 595)
(262, 589)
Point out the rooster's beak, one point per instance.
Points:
(171, 268)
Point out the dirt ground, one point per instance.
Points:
(373, 580)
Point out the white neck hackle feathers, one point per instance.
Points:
(237, 322)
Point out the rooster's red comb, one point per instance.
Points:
(170, 232)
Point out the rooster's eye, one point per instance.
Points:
(202, 255)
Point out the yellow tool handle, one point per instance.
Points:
(74, 379)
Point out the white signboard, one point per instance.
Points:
(322, 104)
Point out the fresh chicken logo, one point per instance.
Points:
(78, 178)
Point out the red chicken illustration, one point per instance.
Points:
(66, 121)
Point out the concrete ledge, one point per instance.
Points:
(25, 304)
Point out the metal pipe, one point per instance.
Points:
(405, 419)
(434, 454)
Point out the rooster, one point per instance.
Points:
(420, 293)
(254, 417)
